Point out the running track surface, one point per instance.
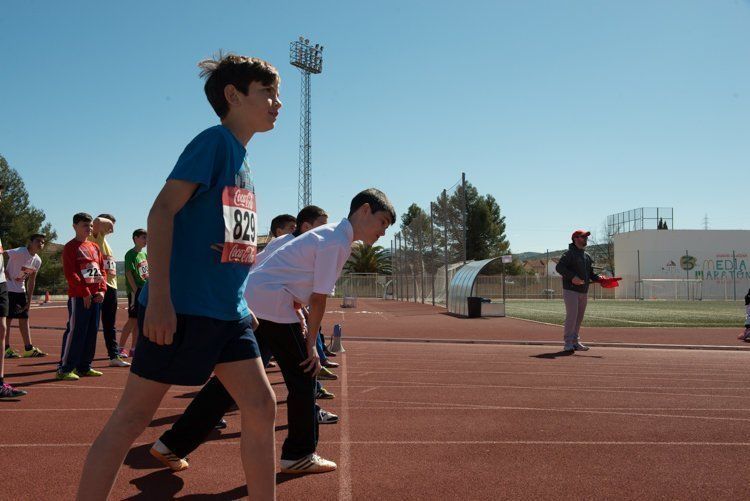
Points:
(429, 420)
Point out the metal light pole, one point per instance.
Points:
(309, 59)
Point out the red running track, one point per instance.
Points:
(429, 421)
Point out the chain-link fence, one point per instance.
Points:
(430, 247)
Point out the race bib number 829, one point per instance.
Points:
(240, 226)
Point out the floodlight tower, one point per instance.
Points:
(309, 59)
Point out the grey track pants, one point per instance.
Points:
(575, 307)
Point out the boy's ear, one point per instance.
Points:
(365, 208)
(230, 94)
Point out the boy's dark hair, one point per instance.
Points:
(279, 221)
(139, 233)
(37, 235)
(377, 200)
(108, 216)
(309, 214)
(82, 216)
(231, 69)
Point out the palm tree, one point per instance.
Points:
(369, 259)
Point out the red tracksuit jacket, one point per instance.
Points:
(83, 265)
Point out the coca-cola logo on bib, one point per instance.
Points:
(243, 198)
(241, 254)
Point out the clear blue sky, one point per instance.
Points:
(565, 111)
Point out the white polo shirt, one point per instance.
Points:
(310, 263)
(271, 247)
(21, 265)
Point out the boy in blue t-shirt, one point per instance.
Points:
(193, 317)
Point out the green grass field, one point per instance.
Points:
(610, 313)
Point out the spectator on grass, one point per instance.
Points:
(577, 270)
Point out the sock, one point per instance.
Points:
(29, 347)
(2, 381)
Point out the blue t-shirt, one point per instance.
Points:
(200, 283)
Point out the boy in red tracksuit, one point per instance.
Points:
(83, 264)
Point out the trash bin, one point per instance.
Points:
(474, 309)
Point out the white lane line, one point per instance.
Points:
(101, 409)
(440, 442)
(566, 410)
(369, 389)
(345, 480)
(433, 407)
(75, 386)
(613, 389)
(624, 375)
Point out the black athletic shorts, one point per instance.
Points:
(17, 302)
(199, 344)
(3, 299)
(133, 303)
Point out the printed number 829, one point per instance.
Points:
(244, 226)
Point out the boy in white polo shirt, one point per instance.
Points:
(305, 271)
(213, 401)
(23, 264)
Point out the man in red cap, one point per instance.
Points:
(577, 270)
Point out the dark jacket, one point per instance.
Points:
(576, 263)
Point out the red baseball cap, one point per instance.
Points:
(580, 233)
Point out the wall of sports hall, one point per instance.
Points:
(688, 264)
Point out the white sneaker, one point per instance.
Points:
(580, 347)
(569, 347)
(325, 417)
(167, 457)
(308, 464)
(118, 362)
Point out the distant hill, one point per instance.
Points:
(523, 256)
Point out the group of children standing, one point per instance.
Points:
(91, 272)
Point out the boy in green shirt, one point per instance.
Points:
(136, 274)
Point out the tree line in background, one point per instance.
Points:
(19, 219)
(429, 236)
(485, 233)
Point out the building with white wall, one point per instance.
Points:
(717, 259)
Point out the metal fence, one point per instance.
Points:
(430, 247)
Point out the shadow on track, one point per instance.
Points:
(139, 458)
(563, 353)
(554, 355)
(161, 484)
(26, 384)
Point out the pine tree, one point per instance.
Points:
(19, 219)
